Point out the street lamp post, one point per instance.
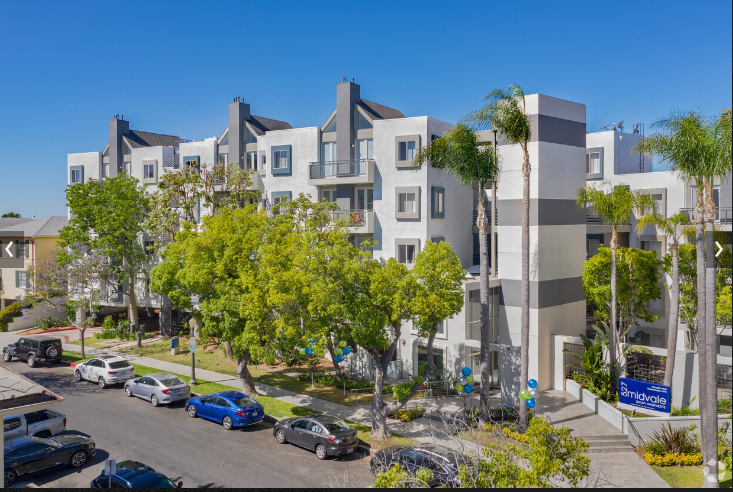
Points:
(193, 360)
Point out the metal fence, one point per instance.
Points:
(645, 367)
(725, 382)
(430, 389)
(570, 363)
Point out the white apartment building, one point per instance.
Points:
(360, 157)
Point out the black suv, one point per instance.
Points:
(34, 350)
(134, 475)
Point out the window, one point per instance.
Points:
(441, 328)
(594, 163)
(280, 196)
(105, 170)
(407, 202)
(406, 149)
(77, 174)
(22, 279)
(147, 286)
(280, 159)
(591, 247)
(406, 254)
(328, 151)
(365, 149)
(11, 423)
(365, 243)
(148, 246)
(315, 428)
(223, 158)
(365, 199)
(193, 161)
(652, 340)
(655, 246)
(22, 249)
(251, 161)
(473, 360)
(251, 138)
(438, 203)
(422, 362)
(331, 128)
(302, 424)
(328, 195)
(364, 123)
(148, 171)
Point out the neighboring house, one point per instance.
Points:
(32, 241)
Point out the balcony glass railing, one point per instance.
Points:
(338, 169)
(723, 215)
(353, 218)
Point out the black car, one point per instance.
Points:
(25, 455)
(444, 462)
(34, 350)
(134, 475)
(327, 436)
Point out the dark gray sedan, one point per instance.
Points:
(160, 388)
(327, 436)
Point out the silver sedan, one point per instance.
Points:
(159, 389)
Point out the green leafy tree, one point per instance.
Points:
(468, 160)
(505, 111)
(699, 150)
(637, 277)
(616, 208)
(11, 215)
(674, 228)
(381, 296)
(107, 218)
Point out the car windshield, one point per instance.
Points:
(155, 482)
(245, 401)
(337, 426)
(119, 364)
(174, 381)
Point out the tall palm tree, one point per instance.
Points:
(674, 228)
(699, 150)
(472, 162)
(505, 112)
(616, 208)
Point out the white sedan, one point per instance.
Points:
(105, 370)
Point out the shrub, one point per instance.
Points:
(676, 442)
(48, 322)
(672, 460)
(270, 358)
(408, 415)
(9, 313)
(330, 380)
(655, 448)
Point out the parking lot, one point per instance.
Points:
(198, 452)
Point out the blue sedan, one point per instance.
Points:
(229, 408)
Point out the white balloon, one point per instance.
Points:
(462, 381)
(533, 393)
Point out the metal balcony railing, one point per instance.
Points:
(723, 215)
(354, 218)
(593, 219)
(474, 217)
(338, 169)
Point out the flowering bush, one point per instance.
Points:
(672, 460)
(408, 415)
(517, 436)
(10, 312)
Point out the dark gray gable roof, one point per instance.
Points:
(147, 139)
(262, 124)
(378, 111)
(11, 221)
(46, 227)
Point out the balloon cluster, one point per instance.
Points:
(530, 394)
(465, 382)
(309, 349)
(340, 351)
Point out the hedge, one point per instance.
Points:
(9, 313)
(672, 460)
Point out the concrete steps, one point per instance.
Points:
(616, 443)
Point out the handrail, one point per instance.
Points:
(338, 169)
(723, 215)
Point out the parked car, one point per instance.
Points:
(42, 423)
(134, 475)
(442, 461)
(26, 455)
(229, 408)
(326, 435)
(105, 370)
(32, 350)
(159, 388)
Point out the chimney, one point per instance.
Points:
(347, 95)
(117, 128)
(238, 113)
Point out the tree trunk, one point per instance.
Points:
(132, 310)
(485, 388)
(378, 410)
(228, 350)
(524, 357)
(331, 348)
(710, 429)
(248, 383)
(613, 336)
(81, 323)
(674, 309)
(701, 332)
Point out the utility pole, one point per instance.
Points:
(192, 345)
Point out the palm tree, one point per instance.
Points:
(699, 150)
(461, 153)
(615, 208)
(674, 228)
(505, 112)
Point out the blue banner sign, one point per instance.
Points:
(648, 396)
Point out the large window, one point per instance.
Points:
(365, 148)
(406, 203)
(422, 362)
(473, 313)
(406, 253)
(365, 199)
(223, 159)
(280, 159)
(328, 151)
(406, 151)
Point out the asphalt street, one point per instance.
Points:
(198, 452)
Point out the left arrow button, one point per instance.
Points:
(7, 249)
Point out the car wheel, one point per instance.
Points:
(52, 353)
(10, 477)
(321, 452)
(227, 423)
(78, 459)
(102, 382)
(7, 357)
(191, 411)
(128, 391)
(77, 375)
(154, 400)
(31, 361)
(280, 436)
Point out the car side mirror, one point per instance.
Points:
(180, 485)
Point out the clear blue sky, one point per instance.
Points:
(171, 67)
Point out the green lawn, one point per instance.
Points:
(687, 476)
(88, 343)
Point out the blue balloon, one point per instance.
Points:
(338, 358)
(468, 389)
(346, 351)
(531, 403)
(466, 371)
(532, 383)
(308, 351)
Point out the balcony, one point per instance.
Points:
(255, 178)
(596, 224)
(359, 221)
(342, 172)
(723, 215)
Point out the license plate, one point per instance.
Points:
(350, 451)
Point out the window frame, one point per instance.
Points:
(277, 160)
(588, 152)
(406, 140)
(407, 243)
(406, 190)
(73, 171)
(437, 202)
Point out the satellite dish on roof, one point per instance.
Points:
(620, 125)
(636, 128)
